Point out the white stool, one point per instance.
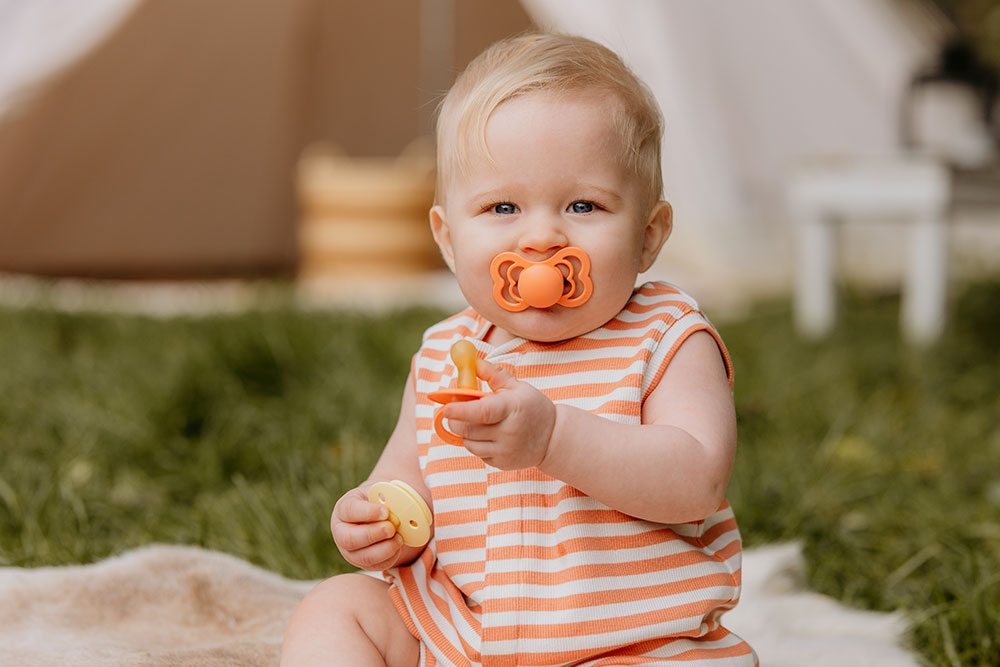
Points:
(912, 189)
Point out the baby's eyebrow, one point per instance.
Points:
(610, 194)
(493, 193)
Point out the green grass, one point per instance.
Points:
(239, 432)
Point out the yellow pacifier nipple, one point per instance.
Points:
(407, 510)
(463, 353)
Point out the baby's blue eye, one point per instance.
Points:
(504, 209)
(581, 207)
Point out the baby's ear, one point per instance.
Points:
(659, 224)
(442, 235)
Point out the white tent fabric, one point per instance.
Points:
(40, 37)
(748, 90)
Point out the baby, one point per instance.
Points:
(580, 518)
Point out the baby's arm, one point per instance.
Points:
(361, 530)
(673, 468)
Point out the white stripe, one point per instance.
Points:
(566, 641)
(581, 356)
(622, 558)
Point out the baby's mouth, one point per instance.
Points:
(563, 279)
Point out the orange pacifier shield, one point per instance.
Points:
(563, 280)
(463, 353)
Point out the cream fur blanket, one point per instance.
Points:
(171, 605)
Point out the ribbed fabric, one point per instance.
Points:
(524, 570)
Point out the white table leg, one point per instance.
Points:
(815, 291)
(924, 292)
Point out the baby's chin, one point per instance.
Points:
(551, 325)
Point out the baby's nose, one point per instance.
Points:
(543, 236)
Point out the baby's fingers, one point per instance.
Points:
(355, 536)
(379, 556)
(490, 409)
(355, 508)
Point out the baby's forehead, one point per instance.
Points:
(468, 146)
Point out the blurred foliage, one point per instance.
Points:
(239, 432)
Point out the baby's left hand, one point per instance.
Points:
(508, 429)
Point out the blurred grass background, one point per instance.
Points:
(238, 432)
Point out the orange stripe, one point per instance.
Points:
(593, 389)
(655, 289)
(536, 499)
(429, 375)
(468, 567)
(464, 461)
(460, 517)
(585, 343)
(584, 628)
(549, 526)
(646, 324)
(639, 308)
(716, 653)
(582, 366)
(463, 490)
(639, 654)
(619, 407)
(461, 329)
(462, 543)
(599, 570)
(728, 551)
(718, 530)
(610, 596)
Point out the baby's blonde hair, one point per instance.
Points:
(556, 63)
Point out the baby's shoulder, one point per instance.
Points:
(661, 297)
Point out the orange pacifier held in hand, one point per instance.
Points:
(407, 510)
(463, 353)
(563, 280)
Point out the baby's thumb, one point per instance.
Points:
(496, 377)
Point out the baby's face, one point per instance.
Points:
(557, 180)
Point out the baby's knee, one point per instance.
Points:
(328, 617)
(343, 596)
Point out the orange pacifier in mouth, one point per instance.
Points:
(563, 280)
(463, 353)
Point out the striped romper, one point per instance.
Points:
(525, 570)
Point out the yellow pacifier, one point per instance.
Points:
(407, 510)
(463, 353)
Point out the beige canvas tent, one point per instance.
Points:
(159, 139)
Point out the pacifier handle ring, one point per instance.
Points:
(444, 433)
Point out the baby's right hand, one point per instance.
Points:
(363, 532)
